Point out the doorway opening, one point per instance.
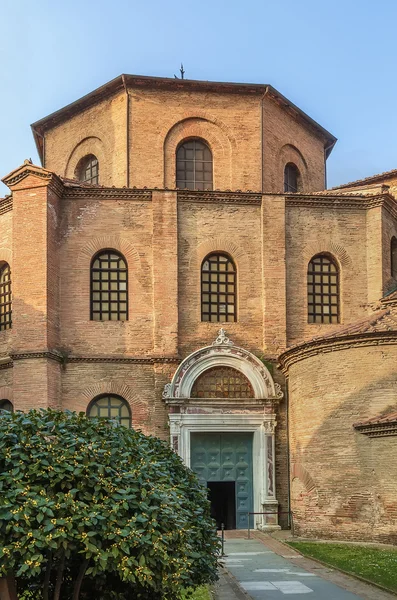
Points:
(222, 495)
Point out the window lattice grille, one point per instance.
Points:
(194, 166)
(109, 287)
(89, 170)
(291, 178)
(218, 289)
(111, 407)
(323, 290)
(222, 382)
(5, 298)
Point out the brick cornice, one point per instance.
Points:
(49, 354)
(216, 196)
(344, 342)
(64, 359)
(148, 360)
(377, 429)
(5, 204)
(42, 176)
(354, 201)
(75, 193)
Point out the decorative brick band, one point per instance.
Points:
(149, 360)
(75, 193)
(378, 429)
(50, 354)
(218, 197)
(5, 205)
(57, 356)
(344, 342)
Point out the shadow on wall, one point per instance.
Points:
(344, 483)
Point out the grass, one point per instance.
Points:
(374, 564)
(201, 593)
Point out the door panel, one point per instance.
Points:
(226, 457)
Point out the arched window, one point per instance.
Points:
(5, 297)
(323, 290)
(291, 178)
(218, 289)
(222, 382)
(88, 169)
(111, 407)
(194, 165)
(109, 287)
(6, 405)
(393, 257)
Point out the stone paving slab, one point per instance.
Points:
(265, 568)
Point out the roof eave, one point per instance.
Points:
(118, 83)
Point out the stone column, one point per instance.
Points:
(269, 502)
(175, 433)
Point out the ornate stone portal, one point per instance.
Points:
(220, 414)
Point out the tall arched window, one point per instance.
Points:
(109, 287)
(222, 382)
(88, 169)
(393, 257)
(218, 288)
(194, 165)
(5, 297)
(6, 405)
(112, 407)
(323, 290)
(291, 178)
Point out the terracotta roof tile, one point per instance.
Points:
(390, 417)
(76, 183)
(380, 321)
(358, 182)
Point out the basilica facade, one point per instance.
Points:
(177, 264)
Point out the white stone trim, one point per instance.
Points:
(262, 427)
(222, 353)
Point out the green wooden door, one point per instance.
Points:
(226, 457)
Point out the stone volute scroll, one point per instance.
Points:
(222, 339)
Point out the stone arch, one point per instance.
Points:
(210, 132)
(218, 244)
(222, 353)
(106, 241)
(110, 387)
(6, 256)
(327, 246)
(298, 471)
(89, 145)
(291, 154)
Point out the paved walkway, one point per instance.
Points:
(265, 569)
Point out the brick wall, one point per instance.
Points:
(251, 138)
(343, 483)
(285, 140)
(342, 233)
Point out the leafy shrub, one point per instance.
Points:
(89, 509)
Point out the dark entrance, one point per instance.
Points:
(225, 459)
(222, 495)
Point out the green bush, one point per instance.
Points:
(89, 509)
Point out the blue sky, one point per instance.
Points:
(336, 60)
